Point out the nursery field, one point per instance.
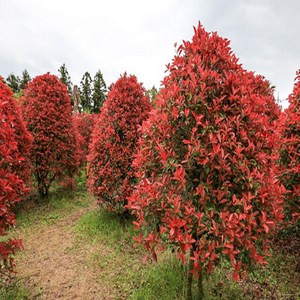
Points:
(74, 250)
(190, 192)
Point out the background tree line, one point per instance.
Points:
(92, 91)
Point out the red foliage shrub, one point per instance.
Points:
(23, 138)
(83, 125)
(205, 164)
(12, 187)
(114, 139)
(47, 110)
(290, 154)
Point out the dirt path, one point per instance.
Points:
(55, 265)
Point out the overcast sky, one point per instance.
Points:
(138, 36)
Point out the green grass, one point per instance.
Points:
(119, 264)
(163, 280)
(61, 201)
(101, 225)
(14, 291)
(278, 278)
(55, 208)
(123, 266)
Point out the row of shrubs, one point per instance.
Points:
(210, 167)
(213, 170)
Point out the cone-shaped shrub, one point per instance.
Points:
(23, 138)
(12, 187)
(290, 154)
(47, 111)
(114, 140)
(205, 166)
(84, 125)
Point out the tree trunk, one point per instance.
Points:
(200, 287)
(43, 190)
(189, 294)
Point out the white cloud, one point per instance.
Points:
(139, 36)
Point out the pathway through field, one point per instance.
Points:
(55, 265)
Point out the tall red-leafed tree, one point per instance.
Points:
(204, 164)
(114, 140)
(47, 110)
(23, 138)
(84, 125)
(12, 187)
(290, 154)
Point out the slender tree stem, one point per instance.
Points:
(189, 295)
(200, 287)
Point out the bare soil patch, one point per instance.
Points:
(54, 264)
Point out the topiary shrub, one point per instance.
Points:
(114, 140)
(12, 187)
(46, 109)
(84, 125)
(289, 150)
(23, 138)
(205, 165)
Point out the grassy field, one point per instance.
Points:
(101, 246)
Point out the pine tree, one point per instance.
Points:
(152, 93)
(13, 82)
(99, 92)
(25, 79)
(86, 92)
(66, 79)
